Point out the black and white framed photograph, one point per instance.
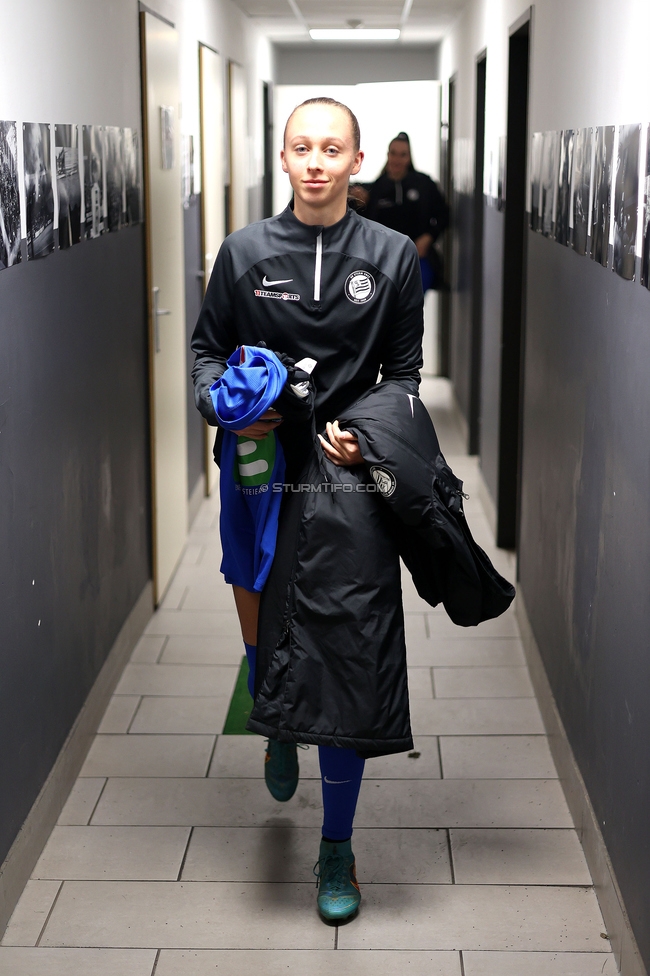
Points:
(601, 213)
(9, 197)
(93, 153)
(167, 137)
(535, 167)
(68, 184)
(645, 255)
(39, 196)
(626, 200)
(548, 182)
(563, 205)
(581, 189)
(114, 176)
(132, 179)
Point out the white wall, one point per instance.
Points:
(383, 110)
(79, 61)
(588, 65)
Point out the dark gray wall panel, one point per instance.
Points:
(461, 299)
(493, 230)
(193, 301)
(585, 536)
(74, 492)
(353, 64)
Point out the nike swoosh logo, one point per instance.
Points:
(337, 782)
(280, 281)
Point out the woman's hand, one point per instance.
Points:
(423, 244)
(260, 429)
(343, 447)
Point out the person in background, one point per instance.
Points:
(408, 202)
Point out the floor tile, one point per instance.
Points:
(149, 755)
(82, 801)
(180, 715)
(206, 803)
(288, 854)
(193, 915)
(470, 803)
(465, 652)
(306, 963)
(118, 715)
(475, 917)
(476, 716)
(423, 762)
(482, 683)
(420, 685)
(191, 554)
(77, 962)
(147, 650)
(539, 964)
(177, 679)
(113, 854)
(242, 757)
(497, 757)
(197, 623)
(510, 857)
(208, 595)
(442, 628)
(30, 914)
(203, 650)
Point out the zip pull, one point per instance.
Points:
(318, 266)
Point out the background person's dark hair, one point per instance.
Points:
(400, 137)
(323, 100)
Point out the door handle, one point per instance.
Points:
(157, 312)
(200, 274)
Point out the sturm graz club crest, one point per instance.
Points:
(360, 287)
(384, 480)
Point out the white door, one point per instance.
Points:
(213, 151)
(160, 62)
(238, 112)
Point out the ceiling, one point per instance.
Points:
(288, 21)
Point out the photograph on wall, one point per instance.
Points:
(563, 205)
(581, 189)
(548, 182)
(9, 197)
(535, 167)
(132, 181)
(114, 177)
(167, 136)
(93, 153)
(39, 196)
(68, 184)
(602, 193)
(501, 189)
(626, 200)
(645, 258)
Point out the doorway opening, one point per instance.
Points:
(474, 418)
(514, 269)
(267, 192)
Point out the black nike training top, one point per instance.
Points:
(348, 296)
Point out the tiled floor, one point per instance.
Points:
(170, 855)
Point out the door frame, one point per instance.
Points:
(514, 285)
(474, 410)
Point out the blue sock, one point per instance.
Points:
(341, 773)
(251, 654)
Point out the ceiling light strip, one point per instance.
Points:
(355, 34)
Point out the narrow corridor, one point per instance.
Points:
(171, 857)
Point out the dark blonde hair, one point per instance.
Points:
(323, 100)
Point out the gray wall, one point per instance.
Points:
(74, 533)
(352, 64)
(585, 536)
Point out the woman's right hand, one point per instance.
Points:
(260, 429)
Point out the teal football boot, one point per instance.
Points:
(338, 889)
(281, 769)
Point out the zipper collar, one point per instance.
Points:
(309, 232)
